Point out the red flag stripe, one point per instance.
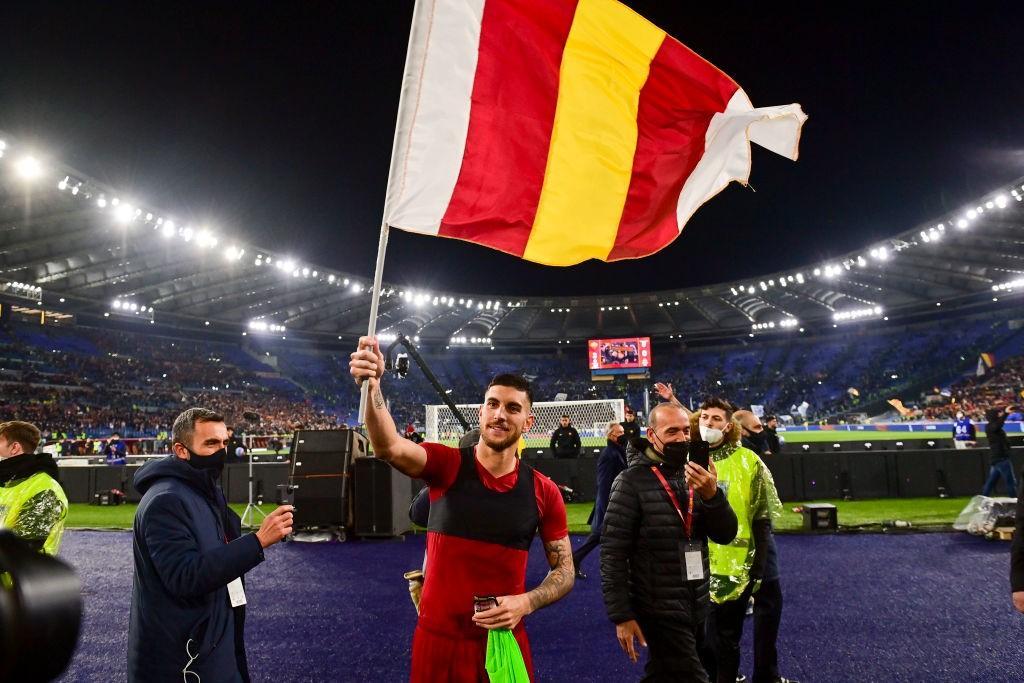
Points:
(510, 122)
(681, 94)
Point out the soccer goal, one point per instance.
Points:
(590, 418)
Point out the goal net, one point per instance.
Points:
(590, 418)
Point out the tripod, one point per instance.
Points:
(251, 511)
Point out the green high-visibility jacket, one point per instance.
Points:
(34, 509)
(751, 493)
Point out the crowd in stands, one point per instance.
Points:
(1001, 386)
(87, 382)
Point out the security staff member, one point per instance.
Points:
(565, 441)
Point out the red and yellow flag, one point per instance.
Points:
(564, 130)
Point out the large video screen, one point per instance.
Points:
(619, 354)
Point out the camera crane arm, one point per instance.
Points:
(390, 365)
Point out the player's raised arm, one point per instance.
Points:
(367, 364)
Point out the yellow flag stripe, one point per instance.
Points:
(605, 64)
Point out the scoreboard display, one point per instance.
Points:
(618, 355)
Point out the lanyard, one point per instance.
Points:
(688, 518)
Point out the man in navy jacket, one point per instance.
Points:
(610, 463)
(188, 602)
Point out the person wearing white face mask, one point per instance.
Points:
(749, 565)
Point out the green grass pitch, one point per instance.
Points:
(918, 511)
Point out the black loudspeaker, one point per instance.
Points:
(321, 464)
(820, 517)
(382, 497)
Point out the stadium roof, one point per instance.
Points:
(71, 244)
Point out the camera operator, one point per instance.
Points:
(32, 503)
(115, 450)
(188, 598)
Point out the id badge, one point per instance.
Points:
(236, 593)
(693, 561)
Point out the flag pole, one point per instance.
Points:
(378, 274)
(382, 246)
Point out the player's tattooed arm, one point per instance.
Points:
(559, 580)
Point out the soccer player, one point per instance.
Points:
(485, 507)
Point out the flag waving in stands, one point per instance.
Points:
(565, 130)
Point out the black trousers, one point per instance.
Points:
(593, 540)
(725, 629)
(673, 651)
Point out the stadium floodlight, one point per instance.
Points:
(861, 262)
(971, 214)
(817, 271)
(124, 213)
(331, 279)
(800, 278)
(962, 223)
(856, 314)
(305, 272)
(63, 184)
(1001, 201)
(116, 303)
(187, 234)
(28, 168)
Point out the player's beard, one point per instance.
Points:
(513, 437)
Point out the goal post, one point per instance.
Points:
(590, 418)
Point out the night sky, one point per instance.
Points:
(275, 125)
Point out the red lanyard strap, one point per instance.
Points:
(688, 518)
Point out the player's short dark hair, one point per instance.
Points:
(510, 379)
(721, 404)
(185, 424)
(565, 416)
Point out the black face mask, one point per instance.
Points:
(675, 453)
(755, 442)
(211, 463)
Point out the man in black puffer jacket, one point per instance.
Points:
(654, 552)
